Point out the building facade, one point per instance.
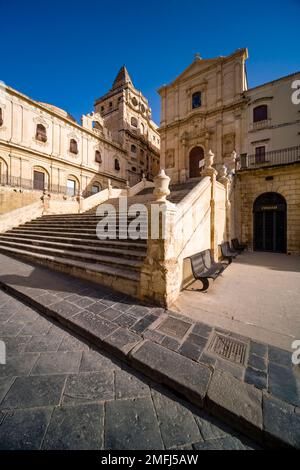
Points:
(253, 132)
(268, 176)
(202, 109)
(127, 115)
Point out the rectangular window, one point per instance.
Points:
(260, 154)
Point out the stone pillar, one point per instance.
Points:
(80, 202)
(160, 280)
(225, 180)
(212, 173)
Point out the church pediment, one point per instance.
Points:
(196, 67)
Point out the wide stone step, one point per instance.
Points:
(89, 235)
(84, 222)
(130, 254)
(84, 257)
(73, 229)
(107, 244)
(78, 268)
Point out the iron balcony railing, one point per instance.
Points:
(23, 183)
(272, 158)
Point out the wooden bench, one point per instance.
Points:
(204, 267)
(236, 245)
(227, 252)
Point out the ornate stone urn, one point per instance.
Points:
(161, 186)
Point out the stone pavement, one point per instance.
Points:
(258, 296)
(251, 385)
(57, 392)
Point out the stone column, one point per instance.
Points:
(160, 280)
(212, 173)
(225, 180)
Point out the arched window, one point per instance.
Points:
(41, 133)
(134, 122)
(133, 148)
(260, 113)
(117, 165)
(98, 157)
(73, 146)
(1, 117)
(196, 100)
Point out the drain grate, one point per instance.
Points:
(228, 348)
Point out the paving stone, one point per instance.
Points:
(77, 427)
(83, 302)
(177, 424)
(43, 343)
(193, 346)
(5, 384)
(110, 314)
(129, 385)
(15, 344)
(125, 320)
(57, 363)
(122, 341)
(284, 383)
(93, 361)
(143, 324)
(257, 362)
(153, 335)
(210, 427)
(66, 309)
(18, 364)
(202, 330)
(34, 391)
(230, 368)
(281, 421)
(138, 311)
(190, 350)
(94, 325)
(72, 343)
(258, 349)
(174, 327)
(207, 359)
(279, 356)
(229, 396)
(123, 306)
(12, 327)
(89, 387)
(38, 327)
(132, 425)
(97, 307)
(257, 378)
(170, 343)
(48, 299)
(173, 369)
(23, 429)
(5, 316)
(225, 443)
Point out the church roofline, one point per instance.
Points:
(208, 62)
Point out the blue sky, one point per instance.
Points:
(68, 53)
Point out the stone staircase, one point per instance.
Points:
(69, 243)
